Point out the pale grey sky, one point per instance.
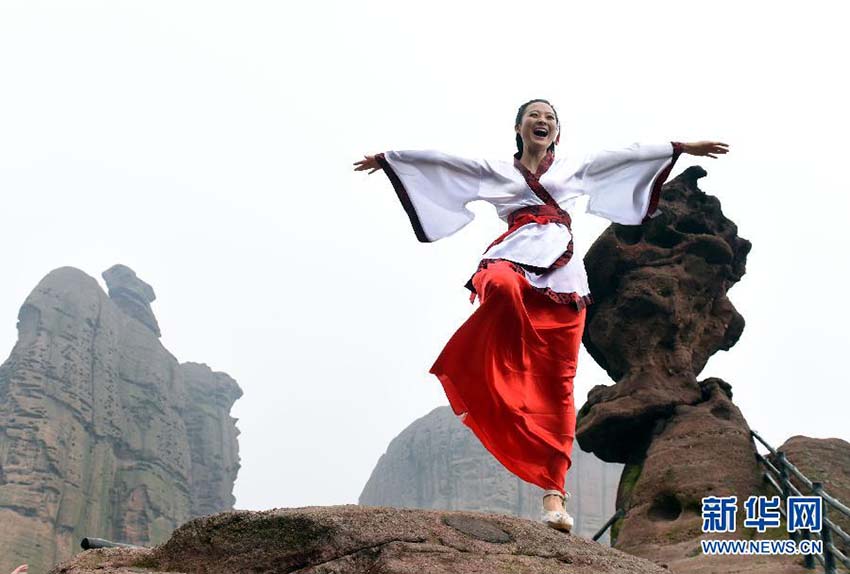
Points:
(208, 145)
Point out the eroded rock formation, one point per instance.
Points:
(102, 432)
(354, 539)
(661, 311)
(437, 463)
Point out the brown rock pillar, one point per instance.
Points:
(661, 311)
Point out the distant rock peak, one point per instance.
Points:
(102, 430)
(131, 295)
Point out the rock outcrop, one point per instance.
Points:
(437, 463)
(660, 312)
(102, 432)
(700, 450)
(132, 295)
(353, 539)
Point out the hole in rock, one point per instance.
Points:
(722, 412)
(664, 237)
(628, 234)
(714, 250)
(690, 225)
(665, 507)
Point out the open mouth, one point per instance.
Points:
(541, 132)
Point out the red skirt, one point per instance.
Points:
(508, 373)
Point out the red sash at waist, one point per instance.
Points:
(541, 214)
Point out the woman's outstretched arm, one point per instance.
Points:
(624, 184)
(433, 187)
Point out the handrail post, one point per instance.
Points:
(796, 536)
(826, 532)
(808, 559)
(783, 482)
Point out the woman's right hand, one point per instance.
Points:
(20, 569)
(708, 148)
(368, 162)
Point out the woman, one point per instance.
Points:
(508, 370)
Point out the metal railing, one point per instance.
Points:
(779, 479)
(617, 515)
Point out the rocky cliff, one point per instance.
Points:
(437, 463)
(102, 432)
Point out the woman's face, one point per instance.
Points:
(539, 127)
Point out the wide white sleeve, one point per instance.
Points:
(624, 185)
(434, 189)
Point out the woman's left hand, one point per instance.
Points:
(368, 162)
(706, 148)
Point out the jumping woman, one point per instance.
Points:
(508, 370)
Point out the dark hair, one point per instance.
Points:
(518, 121)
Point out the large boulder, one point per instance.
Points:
(353, 539)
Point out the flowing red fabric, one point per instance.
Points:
(510, 368)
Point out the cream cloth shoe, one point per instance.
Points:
(558, 519)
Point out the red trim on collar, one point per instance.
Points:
(533, 179)
(544, 165)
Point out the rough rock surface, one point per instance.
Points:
(826, 460)
(212, 434)
(102, 432)
(437, 463)
(660, 312)
(354, 539)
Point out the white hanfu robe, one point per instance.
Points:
(622, 186)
